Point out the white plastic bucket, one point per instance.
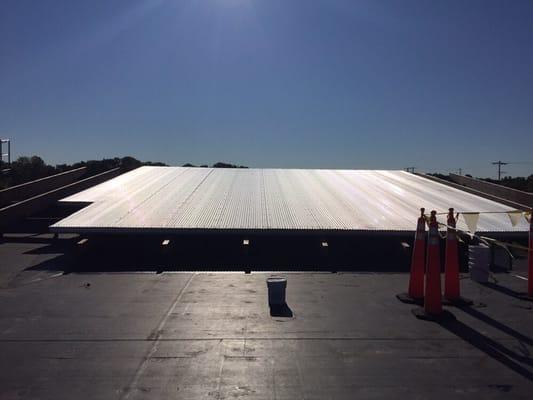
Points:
(276, 290)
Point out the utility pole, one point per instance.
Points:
(5, 155)
(499, 164)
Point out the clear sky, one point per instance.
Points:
(438, 85)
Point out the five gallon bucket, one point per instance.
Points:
(276, 290)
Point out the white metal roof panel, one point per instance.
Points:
(183, 199)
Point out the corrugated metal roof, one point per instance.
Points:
(178, 198)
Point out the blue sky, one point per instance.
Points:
(439, 85)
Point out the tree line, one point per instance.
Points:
(524, 184)
(25, 169)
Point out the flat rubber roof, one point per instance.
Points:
(180, 199)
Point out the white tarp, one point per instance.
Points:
(178, 198)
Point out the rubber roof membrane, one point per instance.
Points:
(183, 199)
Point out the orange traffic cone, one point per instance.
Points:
(529, 295)
(432, 298)
(452, 291)
(415, 293)
(530, 258)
